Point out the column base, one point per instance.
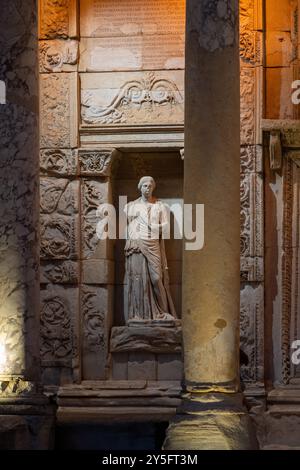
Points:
(211, 421)
(27, 418)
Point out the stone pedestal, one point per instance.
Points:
(212, 415)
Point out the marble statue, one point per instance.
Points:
(147, 293)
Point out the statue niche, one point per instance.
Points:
(147, 295)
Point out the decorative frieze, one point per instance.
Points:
(58, 162)
(132, 98)
(252, 215)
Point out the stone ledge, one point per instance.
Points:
(154, 339)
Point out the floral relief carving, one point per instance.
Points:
(94, 193)
(58, 238)
(58, 114)
(247, 105)
(65, 272)
(56, 336)
(93, 322)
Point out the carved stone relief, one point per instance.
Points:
(59, 309)
(58, 110)
(251, 159)
(94, 193)
(96, 319)
(248, 78)
(59, 219)
(136, 99)
(57, 18)
(252, 239)
(64, 272)
(251, 324)
(60, 162)
(96, 162)
(58, 56)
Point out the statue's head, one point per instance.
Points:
(146, 186)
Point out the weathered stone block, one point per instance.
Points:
(98, 271)
(141, 366)
(154, 339)
(58, 110)
(58, 18)
(58, 56)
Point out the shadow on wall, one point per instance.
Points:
(132, 436)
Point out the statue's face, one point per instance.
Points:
(147, 189)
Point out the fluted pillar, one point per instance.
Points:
(212, 415)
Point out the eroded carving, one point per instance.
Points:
(94, 193)
(247, 105)
(58, 195)
(93, 320)
(251, 325)
(58, 237)
(58, 162)
(65, 272)
(58, 122)
(54, 18)
(56, 331)
(54, 55)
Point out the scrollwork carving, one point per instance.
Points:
(56, 336)
(137, 101)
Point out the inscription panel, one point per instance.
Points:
(146, 52)
(106, 18)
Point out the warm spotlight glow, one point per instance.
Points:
(2, 356)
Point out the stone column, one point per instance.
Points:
(19, 205)
(212, 415)
(21, 402)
